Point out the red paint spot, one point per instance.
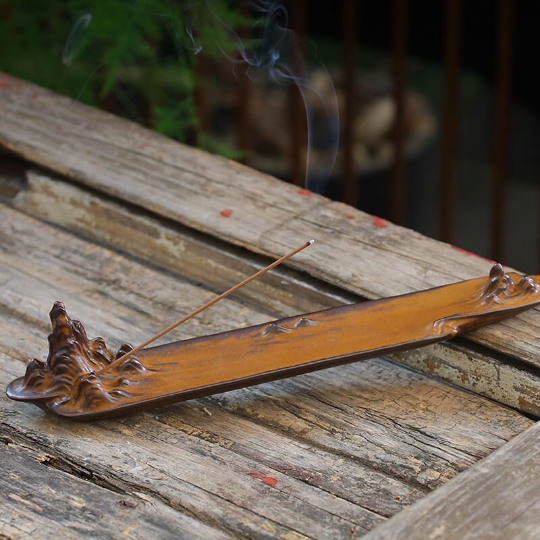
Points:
(3, 84)
(350, 216)
(305, 193)
(34, 96)
(379, 222)
(268, 480)
(226, 213)
(461, 250)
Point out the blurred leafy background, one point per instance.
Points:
(138, 59)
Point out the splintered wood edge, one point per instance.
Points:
(105, 221)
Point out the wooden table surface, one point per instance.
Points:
(128, 229)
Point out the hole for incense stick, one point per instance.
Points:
(123, 358)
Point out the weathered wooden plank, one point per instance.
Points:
(39, 500)
(498, 498)
(354, 251)
(106, 222)
(356, 412)
(332, 476)
(210, 481)
(198, 257)
(101, 266)
(479, 371)
(99, 285)
(133, 310)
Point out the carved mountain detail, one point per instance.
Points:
(303, 322)
(68, 377)
(274, 328)
(505, 291)
(502, 287)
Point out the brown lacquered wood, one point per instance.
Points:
(68, 384)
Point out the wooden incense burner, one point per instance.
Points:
(70, 383)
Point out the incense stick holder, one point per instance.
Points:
(68, 384)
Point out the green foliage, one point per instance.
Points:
(128, 55)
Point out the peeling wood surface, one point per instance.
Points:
(285, 292)
(325, 455)
(496, 499)
(130, 163)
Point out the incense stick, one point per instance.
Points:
(123, 358)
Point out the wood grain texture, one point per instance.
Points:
(175, 248)
(496, 499)
(209, 479)
(477, 370)
(39, 499)
(283, 291)
(190, 187)
(314, 457)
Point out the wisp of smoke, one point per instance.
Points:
(273, 50)
(276, 51)
(196, 47)
(77, 31)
